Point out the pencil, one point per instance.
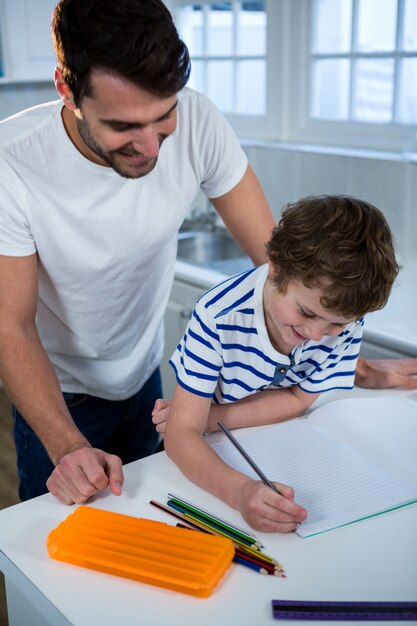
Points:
(239, 531)
(241, 549)
(254, 566)
(244, 548)
(217, 531)
(167, 509)
(248, 561)
(247, 458)
(224, 529)
(270, 565)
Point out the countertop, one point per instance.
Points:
(347, 563)
(394, 327)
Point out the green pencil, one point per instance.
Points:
(209, 517)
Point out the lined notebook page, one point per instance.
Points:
(334, 483)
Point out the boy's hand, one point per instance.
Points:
(160, 414)
(267, 511)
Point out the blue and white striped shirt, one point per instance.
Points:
(226, 353)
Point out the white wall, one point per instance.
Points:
(15, 97)
(287, 174)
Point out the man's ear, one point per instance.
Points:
(63, 90)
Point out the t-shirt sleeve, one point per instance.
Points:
(222, 160)
(15, 235)
(336, 369)
(197, 359)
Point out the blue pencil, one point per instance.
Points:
(254, 566)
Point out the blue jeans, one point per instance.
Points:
(122, 427)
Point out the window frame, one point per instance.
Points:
(388, 136)
(251, 124)
(288, 83)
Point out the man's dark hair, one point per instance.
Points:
(135, 39)
(340, 244)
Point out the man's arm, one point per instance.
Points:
(247, 215)
(32, 386)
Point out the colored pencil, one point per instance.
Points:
(222, 533)
(243, 559)
(204, 520)
(167, 509)
(250, 537)
(251, 557)
(246, 549)
(241, 550)
(250, 565)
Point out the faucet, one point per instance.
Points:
(203, 218)
(209, 217)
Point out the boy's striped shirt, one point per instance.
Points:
(226, 353)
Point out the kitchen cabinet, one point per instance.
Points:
(181, 304)
(25, 40)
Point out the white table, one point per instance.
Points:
(375, 559)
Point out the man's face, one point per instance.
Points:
(123, 126)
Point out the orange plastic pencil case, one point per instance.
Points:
(141, 549)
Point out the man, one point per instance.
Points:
(93, 190)
(92, 196)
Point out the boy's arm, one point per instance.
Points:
(261, 507)
(265, 407)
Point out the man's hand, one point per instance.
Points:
(386, 373)
(84, 472)
(160, 414)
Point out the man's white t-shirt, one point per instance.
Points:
(106, 245)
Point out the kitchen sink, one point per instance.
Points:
(216, 250)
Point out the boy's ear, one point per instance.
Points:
(63, 90)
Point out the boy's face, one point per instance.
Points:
(297, 315)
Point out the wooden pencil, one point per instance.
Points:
(243, 559)
(243, 551)
(254, 566)
(216, 521)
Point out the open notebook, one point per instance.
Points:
(348, 460)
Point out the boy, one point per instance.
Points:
(260, 347)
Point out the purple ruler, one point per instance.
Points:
(346, 611)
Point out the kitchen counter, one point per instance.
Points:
(394, 327)
(348, 563)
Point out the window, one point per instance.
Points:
(357, 73)
(364, 61)
(228, 47)
(25, 39)
(335, 72)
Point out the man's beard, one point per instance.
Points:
(134, 171)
